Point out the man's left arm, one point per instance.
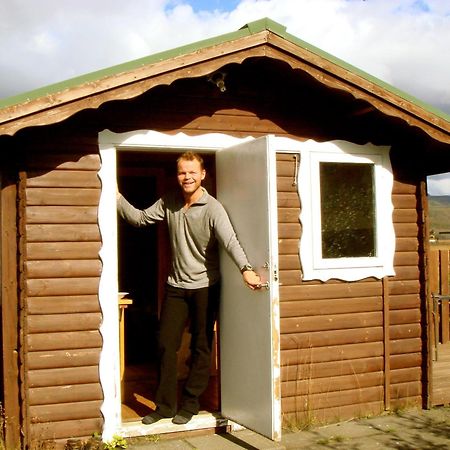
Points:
(227, 236)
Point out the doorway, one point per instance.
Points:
(250, 385)
(143, 264)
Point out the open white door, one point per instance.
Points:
(249, 320)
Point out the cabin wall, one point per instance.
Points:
(333, 364)
(348, 349)
(59, 274)
(10, 398)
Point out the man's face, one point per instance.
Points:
(190, 176)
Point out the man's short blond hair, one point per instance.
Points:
(191, 156)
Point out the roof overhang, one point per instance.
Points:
(263, 38)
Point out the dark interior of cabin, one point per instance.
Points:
(143, 259)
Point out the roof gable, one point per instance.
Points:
(129, 66)
(264, 37)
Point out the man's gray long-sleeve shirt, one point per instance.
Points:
(194, 236)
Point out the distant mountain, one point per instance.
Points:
(439, 211)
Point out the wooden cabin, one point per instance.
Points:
(322, 169)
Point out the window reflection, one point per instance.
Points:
(347, 210)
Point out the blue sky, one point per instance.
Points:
(403, 42)
(211, 5)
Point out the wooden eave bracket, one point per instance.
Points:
(335, 76)
(125, 85)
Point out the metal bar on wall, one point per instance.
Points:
(387, 344)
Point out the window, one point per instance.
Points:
(346, 215)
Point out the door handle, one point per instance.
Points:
(265, 285)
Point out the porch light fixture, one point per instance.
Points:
(218, 78)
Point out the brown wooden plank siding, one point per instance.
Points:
(60, 267)
(405, 299)
(332, 333)
(61, 315)
(10, 311)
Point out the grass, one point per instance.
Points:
(332, 439)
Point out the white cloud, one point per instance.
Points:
(403, 42)
(439, 184)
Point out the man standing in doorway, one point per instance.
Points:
(197, 224)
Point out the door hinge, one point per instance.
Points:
(275, 270)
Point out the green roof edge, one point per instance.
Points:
(120, 68)
(248, 29)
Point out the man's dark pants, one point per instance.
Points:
(200, 306)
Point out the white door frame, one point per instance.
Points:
(109, 366)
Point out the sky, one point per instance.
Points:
(405, 43)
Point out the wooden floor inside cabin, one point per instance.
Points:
(441, 376)
(138, 392)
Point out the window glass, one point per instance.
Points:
(347, 210)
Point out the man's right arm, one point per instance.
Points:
(140, 217)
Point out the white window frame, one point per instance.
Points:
(314, 267)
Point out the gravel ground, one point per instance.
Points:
(405, 430)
